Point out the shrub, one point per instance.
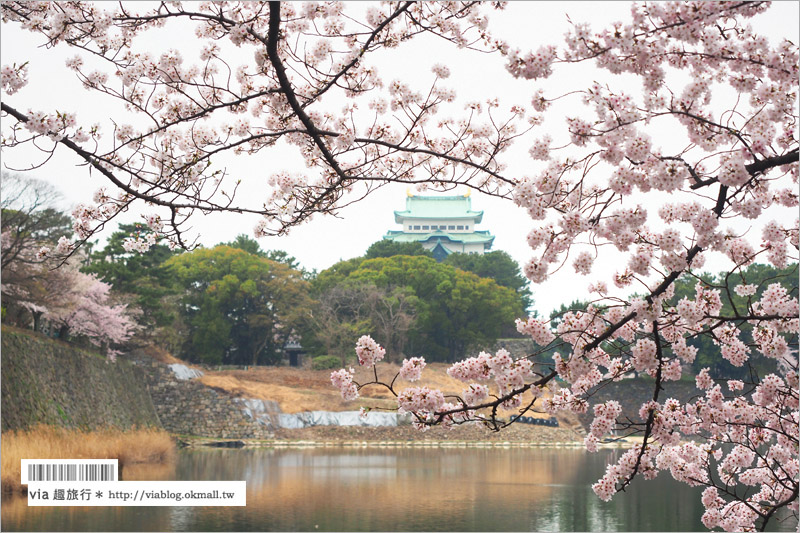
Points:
(325, 362)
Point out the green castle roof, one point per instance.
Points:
(438, 207)
(477, 236)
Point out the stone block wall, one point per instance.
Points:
(188, 407)
(517, 347)
(46, 381)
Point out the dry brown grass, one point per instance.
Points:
(297, 390)
(293, 397)
(163, 356)
(134, 447)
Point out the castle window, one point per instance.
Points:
(459, 227)
(451, 227)
(416, 227)
(424, 227)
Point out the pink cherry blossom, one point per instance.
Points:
(411, 369)
(368, 351)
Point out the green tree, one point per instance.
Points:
(246, 243)
(280, 256)
(387, 248)
(335, 274)
(340, 317)
(456, 310)
(142, 275)
(240, 308)
(392, 313)
(354, 307)
(499, 266)
(325, 334)
(28, 230)
(250, 245)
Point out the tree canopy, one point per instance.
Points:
(386, 248)
(248, 244)
(500, 267)
(455, 309)
(240, 308)
(140, 274)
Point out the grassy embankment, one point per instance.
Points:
(301, 389)
(142, 453)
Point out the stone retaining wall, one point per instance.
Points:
(632, 393)
(517, 347)
(188, 407)
(46, 381)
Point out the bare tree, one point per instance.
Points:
(30, 218)
(392, 312)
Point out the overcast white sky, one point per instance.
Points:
(325, 240)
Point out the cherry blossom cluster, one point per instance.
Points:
(538, 330)
(369, 352)
(606, 487)
(605, 416)
(745, 289)
(139, 243)
(509, 374)
(475, 393)
(411, 370)
(420, 400)
(472, 368)
(532, 65)
(86, 309)
(428, 405)
(13, 78)
(343, 380)
(644, 355)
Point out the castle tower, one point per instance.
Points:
(442, 224)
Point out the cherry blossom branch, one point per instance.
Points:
(759, 166)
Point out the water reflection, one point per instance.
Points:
(394, 489)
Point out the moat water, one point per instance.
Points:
(394, 489)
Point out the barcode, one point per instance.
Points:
(56, 472)
(69, 470)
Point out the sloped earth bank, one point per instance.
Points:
(301, 389)
(298, 389)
